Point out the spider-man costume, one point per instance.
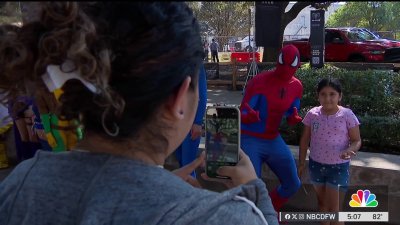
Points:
(269, 97)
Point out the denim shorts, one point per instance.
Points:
(333, 175)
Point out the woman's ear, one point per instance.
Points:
(178, 102)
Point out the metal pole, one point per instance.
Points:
(249, 28)
(253, 68)
(254, 32)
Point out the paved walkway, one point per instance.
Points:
(223, 96)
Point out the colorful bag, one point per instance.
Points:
(3, 147)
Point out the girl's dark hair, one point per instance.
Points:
(136, 53)
(329, 82)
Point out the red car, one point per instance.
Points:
(375, 37)
(349, 45)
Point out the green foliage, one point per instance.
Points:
(380, 132)
(370, 92)
(224, 18)
(377, 16)
(373, 95)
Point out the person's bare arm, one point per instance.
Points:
(303, 147)
(355, 143)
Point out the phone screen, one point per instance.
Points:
(222, 138)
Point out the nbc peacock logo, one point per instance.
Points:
(363, 199)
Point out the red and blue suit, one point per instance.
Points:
(269, 97)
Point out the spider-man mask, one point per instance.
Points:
(288, 62)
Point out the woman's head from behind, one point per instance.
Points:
(143, 58)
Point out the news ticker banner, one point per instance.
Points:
(339, 216)
(360, 203)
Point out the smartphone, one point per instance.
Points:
(222, 138)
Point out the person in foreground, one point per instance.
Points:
(333, 134)
(130, 72)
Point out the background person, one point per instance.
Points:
(333, 134)
(143, 60)
(206, 51)
(214, 50)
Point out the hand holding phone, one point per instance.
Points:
(222, 138)
(242, 173)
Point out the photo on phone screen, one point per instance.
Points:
(222, 138)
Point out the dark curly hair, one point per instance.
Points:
(136, 53)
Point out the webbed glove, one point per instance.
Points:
(294, 118)
(252, 116)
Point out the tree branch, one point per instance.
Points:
(294, 11)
